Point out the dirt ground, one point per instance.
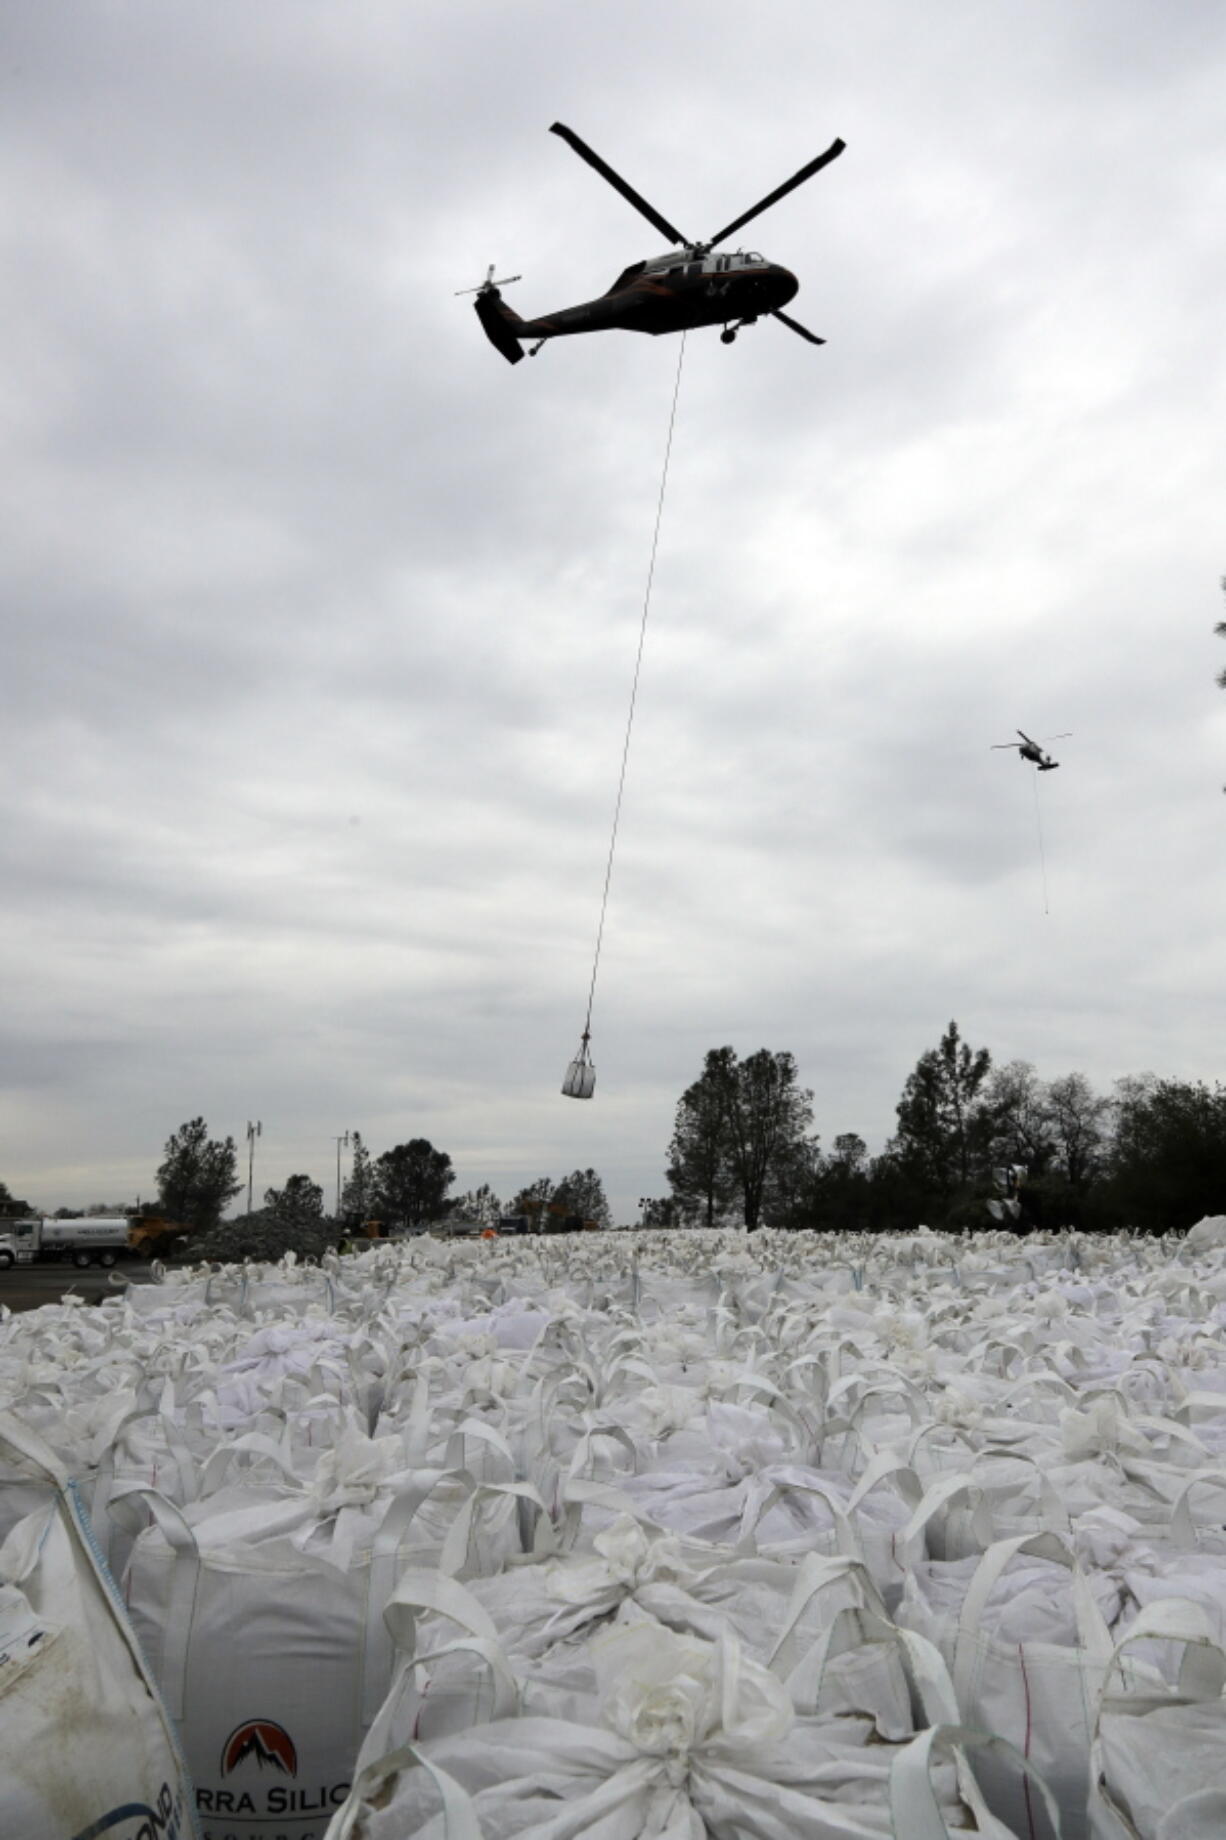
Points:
(27, 1287)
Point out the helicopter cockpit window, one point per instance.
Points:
(751, 255)
(695, 268)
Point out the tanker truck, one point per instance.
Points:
(90, 1241)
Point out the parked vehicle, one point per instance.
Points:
(98, 1240)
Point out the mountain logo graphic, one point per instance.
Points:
(269, 1744)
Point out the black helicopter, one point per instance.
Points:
(691, 287)
(1030, 750)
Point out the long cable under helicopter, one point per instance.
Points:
(634, 691)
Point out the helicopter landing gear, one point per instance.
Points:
(729, 333)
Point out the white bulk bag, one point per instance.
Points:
(1039, 1693)
(25, 1486)
(541, 1617)
(695, 1741)
(1158, 1761)
(965, 1511)
(86, 1747)
(150, 1449)
(444, 1682)
(1208, 1234)
(266, 1635)
(782, 1511)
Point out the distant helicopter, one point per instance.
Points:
(1030, 750)
(691, 287)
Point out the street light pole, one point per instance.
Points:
(342, 1141)
(253, 1131)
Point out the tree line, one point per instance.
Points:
(403, 1189)
(972, 1142)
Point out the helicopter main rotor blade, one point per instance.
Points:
(794, 325)
(619, 184)
(781, 191)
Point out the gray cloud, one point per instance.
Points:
(319, 622)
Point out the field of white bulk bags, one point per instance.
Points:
(767, 1537)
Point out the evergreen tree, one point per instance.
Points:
(699, 1172)
(358, 1193)
(198, 1176)
(299, 1203)
(943, 1140)
(581, 1197)
(411, 1182)
(737, 1127)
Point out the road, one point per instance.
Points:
(26, 1287)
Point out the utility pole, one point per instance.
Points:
(253, 1131)
(341, 1142)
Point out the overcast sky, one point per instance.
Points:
(319, 620)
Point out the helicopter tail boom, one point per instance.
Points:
(498, 322)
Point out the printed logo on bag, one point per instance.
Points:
(270, 1745)
(256, 1756)
(138, 1821)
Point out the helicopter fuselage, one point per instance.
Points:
(677, 291)
(667, 294)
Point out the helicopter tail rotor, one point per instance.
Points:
(498, 321)
(489, 285)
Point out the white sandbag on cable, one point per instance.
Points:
(86, 1746)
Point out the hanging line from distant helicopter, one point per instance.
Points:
(580, 1080)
